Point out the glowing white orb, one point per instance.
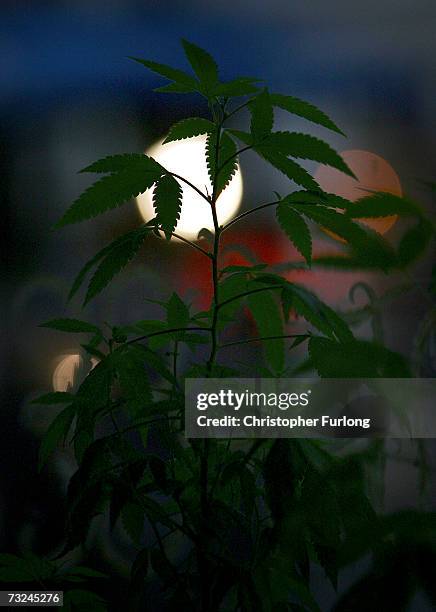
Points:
(66, 372)
(187, 158)
(70, 370)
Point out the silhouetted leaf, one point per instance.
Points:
(88, 492)
(98, 257)
(304, 146)
(188, 128)
(57, 431)
(289, 168)
(182, 79)
(322, 198)
(177, 312)
(72, 325)
(305, 110)
(203, 65)
(137, 173)
(130, 367)
(383, 204)
(115, 259)
(356, 359)
(266, 314)
(296, 229)
(223, 166)
(167, 202)
(262, 116)
(414, 242)
(238, 87)
(368, 245)
(316, 312)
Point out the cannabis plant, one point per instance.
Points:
(228, 524)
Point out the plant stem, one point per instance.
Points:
(203, 562)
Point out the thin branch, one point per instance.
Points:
(241, 295)
(192, 244)
(238, 108)
(246, 213)
(229, 159)
(182, 178)
(166, 331)
(247, 340)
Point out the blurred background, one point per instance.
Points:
(70, 95)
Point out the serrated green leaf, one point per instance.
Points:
(177, 312)
(321, 198)
(203, 65)
(167, 202)
(368, 245)
(296, 229)
(188, 128)
(111, 191)
(116, 259)
(383, 204)
(98, 257)
(238, 87)
(316, 312)
(289, 168)
(262, 117)
(57, 430)
(130, 367)
(303, 146)
(357, 359)
(245, 137)
(122, 163)
(266, 314)
(304, 109)
(223, 174)
(414, 242)
(173, 74)
(72, 325)
(55, 398)
(230, 287)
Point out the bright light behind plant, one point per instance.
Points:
(66, 372)
(187, 157)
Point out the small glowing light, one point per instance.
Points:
(66, 372)
(187, 158)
